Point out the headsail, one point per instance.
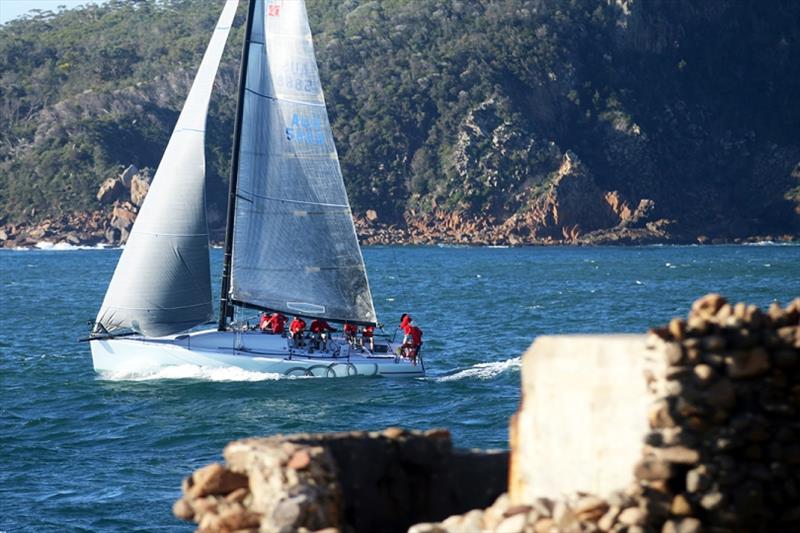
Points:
(162, 282)
(294, 243)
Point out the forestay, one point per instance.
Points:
(162, 282)
(294, 243)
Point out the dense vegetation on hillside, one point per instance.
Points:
(454, 105)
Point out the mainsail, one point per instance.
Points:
(162, 282)
(295, 248)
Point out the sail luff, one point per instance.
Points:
(225, 307)
(162, 284)
(295, 247)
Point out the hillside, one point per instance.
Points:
(512, 120)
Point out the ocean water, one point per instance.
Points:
(81, 452)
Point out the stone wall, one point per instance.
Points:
(354, 481)
(719, 451)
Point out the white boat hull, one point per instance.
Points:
(248, 350)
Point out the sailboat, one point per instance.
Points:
(290, 244)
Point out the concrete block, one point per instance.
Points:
(583, 415)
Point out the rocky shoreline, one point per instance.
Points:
(109, 227)
(119, 199)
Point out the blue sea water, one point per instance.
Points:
(79, 452)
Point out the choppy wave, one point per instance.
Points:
(483, 370)
(194, 372)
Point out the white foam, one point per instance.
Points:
(65, 246)
(483, 370)
(203, 373)
(772, 243)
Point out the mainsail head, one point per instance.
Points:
(162, 282)
(295, 248)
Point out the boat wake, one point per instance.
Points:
(193, 372)
(482, 370)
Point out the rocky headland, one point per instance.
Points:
(703, 439)
(573, 212)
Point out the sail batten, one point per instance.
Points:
(162, 281)
(294, 243)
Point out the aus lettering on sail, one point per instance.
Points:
(306, 129)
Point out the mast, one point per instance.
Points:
(225, 307)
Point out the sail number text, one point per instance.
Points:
(306, 130)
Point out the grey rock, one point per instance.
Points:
(127, 174)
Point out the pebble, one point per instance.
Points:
(590, 508)
(299, 460)
(183, 510)
(704, 373)
(512, 524)
(681, 506)
(607, 521)
(544, 525)
(683, 525)
(631, 516)
(677, 328)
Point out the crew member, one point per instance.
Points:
(277, 323)
(368, 335)
(320, 328)
(406, 323)
(263, 323)
(297, 328)
(350, 332)
(416, 343)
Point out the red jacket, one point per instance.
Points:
(263, 321)
(320, 326)
(350, 329)
(368, 331)
(404, 322)
(277, 321)
(416, 336)
(297, 325)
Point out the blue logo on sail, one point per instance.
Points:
(306, 130)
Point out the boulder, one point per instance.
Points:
(127, 175)
(122, 217)
(110, 190)
(215, 479)
(140, 185)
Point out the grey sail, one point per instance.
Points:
(162, 282)
(295, 248)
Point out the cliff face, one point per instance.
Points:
(531, 121)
